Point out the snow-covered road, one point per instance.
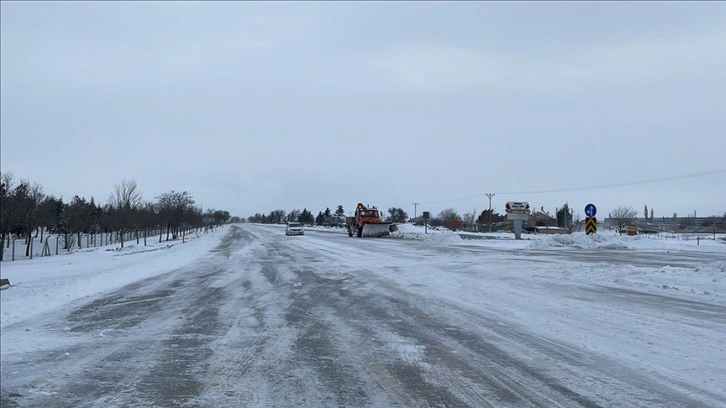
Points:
(265, 320)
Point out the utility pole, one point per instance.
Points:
(414, 209)
(489, 196)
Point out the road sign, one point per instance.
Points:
(590, 225)
(516, 207)
(590, 210)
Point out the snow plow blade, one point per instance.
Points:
(379, 229)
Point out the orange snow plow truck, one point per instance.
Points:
(366, 222)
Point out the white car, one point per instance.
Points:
(294, 228)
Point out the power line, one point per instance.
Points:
(602, 186)
(450, 201)
(631, 183)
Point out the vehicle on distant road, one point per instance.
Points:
(294, 228)
(367, 222)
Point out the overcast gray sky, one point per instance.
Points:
(253, 107)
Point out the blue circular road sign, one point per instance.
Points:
(590, 210)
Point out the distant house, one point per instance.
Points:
(539, 218)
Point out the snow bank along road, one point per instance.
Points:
(266, 320)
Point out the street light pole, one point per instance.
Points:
(414, 209)
(489, 196)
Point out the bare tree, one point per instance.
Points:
(572, 223)
(32, 220)
(148, 216)
(79, 216)
(173, 207)
(278, 216)
(124, 201)
(469, 219)
(449, 218)
(7, 207)
(126, 195)
(7, 179)
(218, 217)
(26, 199)
(24, 209)
(623, 216)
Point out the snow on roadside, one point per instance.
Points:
(704, 283)
(45, 283)
(436, 236)
(578, 241)
(610, 240)
(708, 279)
(429, 235)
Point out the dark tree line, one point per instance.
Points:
(281, 216)
(448, 218)
(326, 217)
(565, 217)
(305, 216)
(26, 210)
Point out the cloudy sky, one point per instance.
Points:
(253, 107)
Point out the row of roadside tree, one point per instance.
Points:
(25, 210)
(564, 218)
(448, 218)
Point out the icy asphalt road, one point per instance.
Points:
(267, 320)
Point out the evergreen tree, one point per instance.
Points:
(95, 215)
(339, 211)
(306, 217)
(396, 215)
(484, 217)
(61, 227)
(294, 216)
(564, 216)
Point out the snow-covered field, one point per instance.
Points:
(567, 289)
